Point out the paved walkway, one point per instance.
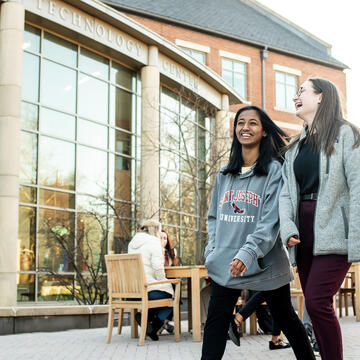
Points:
(90, 344)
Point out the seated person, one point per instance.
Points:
(169, 250)
(266, 322)
(147, 243)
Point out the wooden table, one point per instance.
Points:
(193, 273)
(355, 268)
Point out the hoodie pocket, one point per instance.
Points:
(346, 223)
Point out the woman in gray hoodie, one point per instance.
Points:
(320, 206)
(244, 249)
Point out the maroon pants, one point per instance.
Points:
(321, 277)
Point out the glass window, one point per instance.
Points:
(30, 77)
(26, 287)
(56, 199)
(56, 240)
(121, 108)
(27, 236)
(92, 134)
(169, 189)
(123, 77)
(94, 64)
(56, 163)
(27, 194)
(57, 123)
(92, 171)
(198, 55)
(59, 50)
(234, 73)
(188, 194)
(70, 159)
(28, 158)
(286, 85)
(29, 116)
(91, 204)
(31, 39)
(120, 142)
(120, 177)
(92, 240)
(55, 288)
(93, 98)
(120, 231)
(58, 86)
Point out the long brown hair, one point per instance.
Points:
(328, 118)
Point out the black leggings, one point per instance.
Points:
(256, 298)
(221, 306)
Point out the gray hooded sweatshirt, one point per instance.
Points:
(243, 223)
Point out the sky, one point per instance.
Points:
(335, 22)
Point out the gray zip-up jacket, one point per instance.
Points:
(243, 223)
(337, 214)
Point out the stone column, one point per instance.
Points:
(223, 132)
(150, 93)
(11, 39)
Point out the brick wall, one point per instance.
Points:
(254, 91)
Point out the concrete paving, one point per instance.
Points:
(91, 344)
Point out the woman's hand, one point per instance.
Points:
(237, 267)
(293, 241)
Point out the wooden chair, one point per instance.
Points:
(296, 291)
(347, 288)
(128, 289)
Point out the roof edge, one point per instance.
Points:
(146, 14)
(282, 18)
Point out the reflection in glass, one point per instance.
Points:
(57, 123)
(29, 116)
(169, 129)
(28, 157)
(92, 241)
(55, 288)
(91, 204)
(169, 160)
(120, 142)
(188, 195)
(92, 134)
(30, 77)
(58, 86)
(56, 163)
(123, 77)
(56, 199)
(56, 240)
(27, 235)
(93, 98)
(59, 50)
(92, 171)
(187, 138)
(26, 291)
(169, 189)
(31, 39)
(188, 246)
(27, 194)
(94, 64)
(120, 177)
(120, 108)
(119, 235)
(170, 218)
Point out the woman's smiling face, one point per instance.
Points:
(306, 102)
(249, 130)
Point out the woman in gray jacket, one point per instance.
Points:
(244, 249)
(320, 206)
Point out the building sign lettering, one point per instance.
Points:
(90, 26)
